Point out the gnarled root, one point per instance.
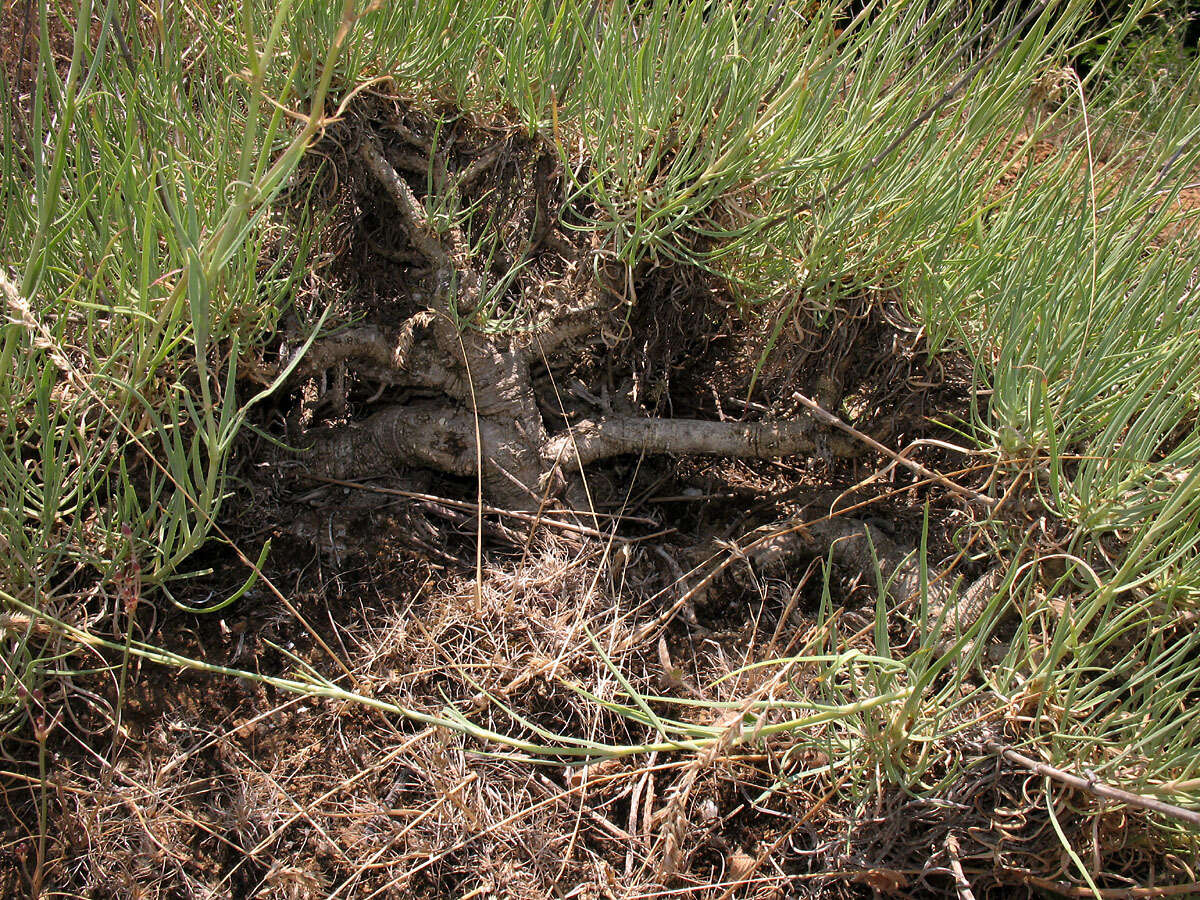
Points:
(490, 423)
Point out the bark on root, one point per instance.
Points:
(491, 415)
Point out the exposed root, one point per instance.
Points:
(589, 442)
(412, 214)
(487, 378)
(444, 438)
(860, 547)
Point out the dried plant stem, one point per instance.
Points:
(830, 419)
(520, 516)
(1096, 788)
(962, 886)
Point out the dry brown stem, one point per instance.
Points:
(1096, 788)
(829, 418)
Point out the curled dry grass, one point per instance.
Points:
(246, 791)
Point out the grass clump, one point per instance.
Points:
(179, 194)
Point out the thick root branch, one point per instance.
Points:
(588, 442)
(411, 213)
(374, 354)
(439, 438)
(406, 359)
(520, 464)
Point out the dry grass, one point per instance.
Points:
(226, 790)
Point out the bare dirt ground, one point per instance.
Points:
(217, 787)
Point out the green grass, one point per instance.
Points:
(145, 256)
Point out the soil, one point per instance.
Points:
(221, 787)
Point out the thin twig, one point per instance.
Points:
(1096, 788)
(830, 419)
(962, 886)
(481, 164)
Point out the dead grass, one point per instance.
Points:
(223, 790)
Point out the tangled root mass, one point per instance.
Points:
(474, 406)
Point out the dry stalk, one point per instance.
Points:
(962, 886)
(1096, 788)
(675, 815)
(829, 418)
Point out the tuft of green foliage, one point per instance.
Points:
(1025, 217)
